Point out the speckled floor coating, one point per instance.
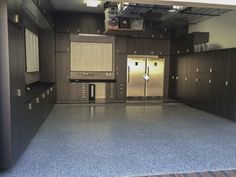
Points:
(119, 140)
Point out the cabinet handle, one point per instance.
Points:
(185, 78)
(196, 79)
(128, 74)
(18, 92)
(37, 100)
(30, 106)
(43, 95)
(197, 70)
(210, 81)
(173, 77)
(211, 70)
(176, 77)
(226, 83)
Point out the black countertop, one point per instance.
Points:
(36, 89)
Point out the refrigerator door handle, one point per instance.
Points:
(128, 74)
(148, 73)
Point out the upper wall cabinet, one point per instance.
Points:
(148, 46)
(135, 46)
(66, 23)
(121, 44)
(91, 23)
(161, 47)
(46, 8)
(62, 42)
(14, 8)
(79, 23)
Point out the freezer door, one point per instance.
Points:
(135, 80)
(155, 70)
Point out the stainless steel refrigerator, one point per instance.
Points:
(145, 76)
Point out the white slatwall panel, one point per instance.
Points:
(91, 56)
(32, 51)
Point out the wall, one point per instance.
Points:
(222, 29)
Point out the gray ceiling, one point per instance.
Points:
(76, 6)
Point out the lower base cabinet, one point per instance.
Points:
(36, 110)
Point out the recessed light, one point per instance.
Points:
(92, 3)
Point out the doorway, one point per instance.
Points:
(145, 77)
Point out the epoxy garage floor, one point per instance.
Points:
(119, 140)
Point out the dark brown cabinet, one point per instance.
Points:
(62, 42)
(135, 46)
(63, 70)
(131, 46)
(121, 76)
(17, 69)
(206, 81)
(148, 46)
(121, 45)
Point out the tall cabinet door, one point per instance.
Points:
(155, 70)
(230, 106)
(17, 69)
(63, 69)
(121, 76)
(223, 59)
(172, 87)
(135, 80)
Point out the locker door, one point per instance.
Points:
(148, 47)
(63, 69)
(172, 87)
(131, 46)
(212, 94)
(155, 70)
(135, 80)
(222, 57)
(139, 46)
(121, 44)
(230, 105)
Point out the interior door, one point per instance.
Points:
(135, 80)
(155, 84)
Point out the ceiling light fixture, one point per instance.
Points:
(176, 8)
(92, 3)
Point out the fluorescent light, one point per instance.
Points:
(92, 3)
